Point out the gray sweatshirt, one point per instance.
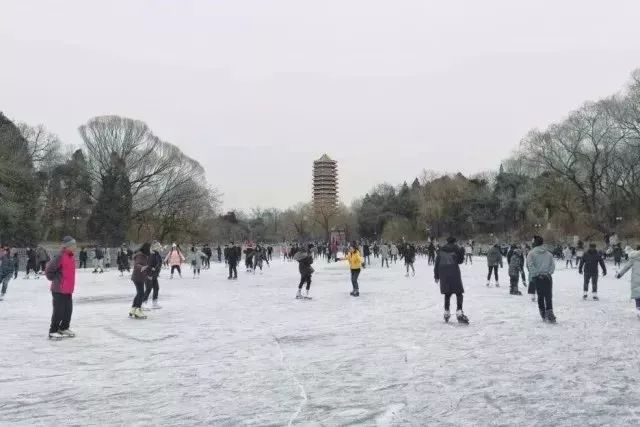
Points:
(540, 262)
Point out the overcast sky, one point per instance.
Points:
(256, 90)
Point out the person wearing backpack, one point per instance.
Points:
(61, 271)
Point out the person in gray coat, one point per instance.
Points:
(541, 266)
(385, 251)
(494, 259)
(634, 265)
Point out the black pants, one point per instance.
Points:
(207, 263)
(174, 268)
(513, 281)
(43, 265)
(354, 278)
(62, 309)
(495, 272)
(137, 301)
(544, 286)
(305, 278)
(593, 277)
(83, 263)
(459, 300)
(385, 260)
(151, 285)
(233, 271)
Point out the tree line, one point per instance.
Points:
(125, 183)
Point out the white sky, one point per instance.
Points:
(256, 90)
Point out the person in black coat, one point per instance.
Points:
(589, 268)
(154, 266)
(305, 259)
(410, 258)
(82, 257)
(447, 272)
(233, 257)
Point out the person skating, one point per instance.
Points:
(385, 252)
(151, 283)
(208, 253)
(175, 258)
(82, 257)
(431, 253)
(16, 264)
(260, 257)
(589, 269)
(541, 266)
(617, 255)
(366, 251)
(61, 271)
(194, 258)
(139, 277)
(634, 265)
(219, 253)
(122, 260)
(410, 259)
(494, 259)
(6, 270)
(355, 260)
(248, 258)
(394, 253)
(515, 259)
(468, 254)
(98, 259)
(233, 257)
(446, 272)
(305, 259)
(568, 257)
(42, 258)
(32, 263)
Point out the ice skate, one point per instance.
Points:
(145, 306)
(406, 275)
(132, 311)
(67, 333)
(488, 284)
(462, 318)
(518, 292)
(306, 294)
(55, 336)
(551, 318)
(497, 285)
(299, 294)
(533, 298)
(139, 314)
(1, 297)
(585, 296)
(595, 297)
(155, 305)
(447, 316)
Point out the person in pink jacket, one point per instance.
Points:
(61, 270)
(175, 259)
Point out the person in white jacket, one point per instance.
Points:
(394, 253)
(634, 265)
(385, 251)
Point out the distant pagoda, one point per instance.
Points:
(325, 184)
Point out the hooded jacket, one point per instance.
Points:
(175, 257)
(384, 251)
(447, 268)
(139, 260)
(634, 265)
(540, 262)
(516, 262)
(494, 257)
(355, 259)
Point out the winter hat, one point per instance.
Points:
(174, 245)
(451, 239)
(68, 241)
(592, 245)
(155, 246)
(537, 241)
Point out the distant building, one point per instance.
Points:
(325, 184)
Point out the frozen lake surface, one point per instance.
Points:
(246, 352)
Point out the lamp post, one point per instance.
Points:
(75, 218)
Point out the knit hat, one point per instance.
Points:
(68, 241)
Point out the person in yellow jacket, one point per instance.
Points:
(355, 260)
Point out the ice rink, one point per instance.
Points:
(248, 353)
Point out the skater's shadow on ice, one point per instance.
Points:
(102, 299)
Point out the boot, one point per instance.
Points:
(67, 333)
(497, 284)
(132, 311)
(551, 318)
(139, 314)
(299, 294)
(595, 297)
(542, 314)
(447, 316)
(461, 317)
(585, 296)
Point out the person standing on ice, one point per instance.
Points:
(194, 258)
(61, 271)
(6, 270)
(568, 257)
(446, 272)
(175, 259)
(394, 253)
(494, 259)
(589, 264)
(385, 251)
(617, 255)
(366, 251)
(410, 259)
(32, 261)
(139, 277)
(468, 254)
(541, 266)
(98, 259)
(233, 257)
(431, 253)
(82, 257)
(355, 260)
(634, 265)
(305, 259)
(122, 260)
(153, 271)
(42, 258)
(515, 259)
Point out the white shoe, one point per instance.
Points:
(155, 305)
(299, 294)
(1, 297)
(406, 275)
(145, 306)
(67, 333)
(306, 294)
(139, 314)
(55, 336)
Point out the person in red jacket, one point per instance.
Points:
(61, 270)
